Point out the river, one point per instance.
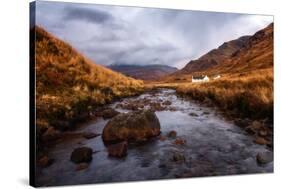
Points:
(214, 146)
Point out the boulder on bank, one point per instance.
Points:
(261, 141)
(62, 125)
(82, 154)
(50, 135)
(135, 126)
(156, 106)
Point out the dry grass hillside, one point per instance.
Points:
(68, 85)
(248, 95)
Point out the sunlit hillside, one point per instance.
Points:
(249, 95)
(68, 85)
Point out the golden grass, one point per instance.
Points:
(249, 95)
(68, 84)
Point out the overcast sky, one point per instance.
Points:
(130, 35)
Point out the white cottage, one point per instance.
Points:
(202, 78)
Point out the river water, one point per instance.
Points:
(214, 146)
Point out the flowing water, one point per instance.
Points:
(214, 146)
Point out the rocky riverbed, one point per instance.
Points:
(194, 141)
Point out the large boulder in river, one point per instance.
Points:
(82, 154)
(135, 126)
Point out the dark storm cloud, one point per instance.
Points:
(86, 14)
(131, 35)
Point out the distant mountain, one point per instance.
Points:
(244, 54)
(146, 72)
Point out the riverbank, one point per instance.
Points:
(56, 117)
(69, 87)
(245, 98)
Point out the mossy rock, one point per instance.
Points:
(135, 126)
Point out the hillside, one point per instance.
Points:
(69, 86)
(146, 72)
(246, 85)
(247, 53)
(216, 57)
(256, 54)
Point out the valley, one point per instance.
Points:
(98, 124)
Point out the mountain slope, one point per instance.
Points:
(216, 57)
(256, 54)
(246, 54)
(246, 85)
(69, 85)
(147, 72)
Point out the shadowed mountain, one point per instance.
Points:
(147, 72)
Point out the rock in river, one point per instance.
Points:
(82, 166)
(109, 113)
(89, 135)
(172, 134)
(193, 114)
(264, 157)
(118, 150)
(44, 161)
(82, 154)
(180, 141)
(167, 103)
(135, 126)
(178, 157)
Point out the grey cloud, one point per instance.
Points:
(88, 15)
(131, 35)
